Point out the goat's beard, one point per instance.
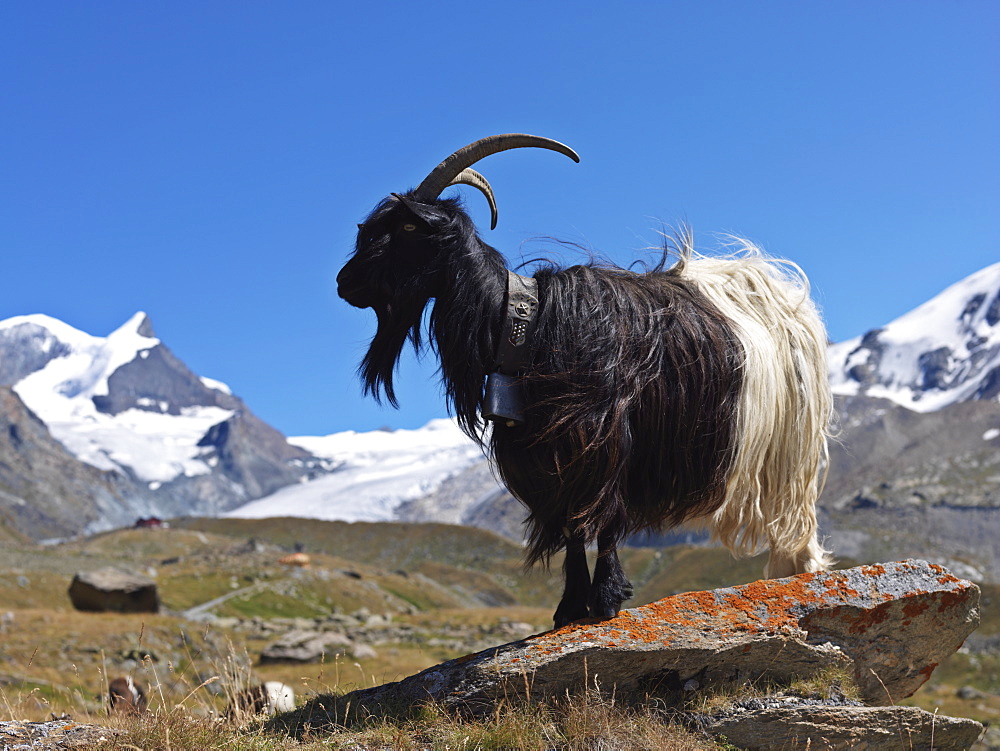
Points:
(398, 321)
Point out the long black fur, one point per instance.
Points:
(631, 389)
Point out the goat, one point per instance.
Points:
(125, 696)
(619, 401)
(269, 698)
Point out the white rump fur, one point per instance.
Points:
(784, 411)
(280, 697)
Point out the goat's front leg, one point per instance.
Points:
(573, 605)
(611, 587)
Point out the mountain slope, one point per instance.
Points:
(46, 492)
(908, 484)
(942, 352)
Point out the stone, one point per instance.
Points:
(111, 589)
(62, 734)
(970, 694)
(889, 624)
(845, 729)
(306, 646)
(363, 652)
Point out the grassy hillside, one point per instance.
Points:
(415, 595)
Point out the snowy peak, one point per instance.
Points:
(75, 364)
(125, 403)
(120, 402)
(942, 352)
(28, 343)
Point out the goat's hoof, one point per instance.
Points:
(604, 612)
(566, 617)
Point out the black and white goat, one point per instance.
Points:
(125, 696)
(620, 401)
(270, 697)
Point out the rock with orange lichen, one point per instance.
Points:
(891, 624)
(54, 734)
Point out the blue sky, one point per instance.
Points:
(207, 162)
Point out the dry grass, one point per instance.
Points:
(591, 721)
(184, 716)
(188, 697)
(833, 682)
(585, 723)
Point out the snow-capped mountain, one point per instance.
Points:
(125, 405)
(164, 441)
(943, 352)
(154, 437)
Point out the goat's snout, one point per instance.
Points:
(350, 290)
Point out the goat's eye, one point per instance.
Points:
(409, 227)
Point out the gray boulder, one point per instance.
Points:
(306, 646)
(111, 589)
(821, 728)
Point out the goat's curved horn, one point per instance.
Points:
(471, 177)
(458, 163)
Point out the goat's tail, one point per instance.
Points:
(785, 404)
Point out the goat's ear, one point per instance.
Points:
(429, 216)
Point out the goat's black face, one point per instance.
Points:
(393, 257)
(396, 269)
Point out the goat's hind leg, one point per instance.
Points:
(810, 558)
(611, 587)
(573, 605)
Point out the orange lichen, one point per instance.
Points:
(950, 600)
(767, 606)
(876, 569)
(915, 608)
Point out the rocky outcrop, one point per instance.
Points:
(892, 624)
(821, 728)
(306, 646)
(889, 625)
(114, 590)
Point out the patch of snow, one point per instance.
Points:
(156, 447)
(216, 385)
(377, 471)
(990, 434)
